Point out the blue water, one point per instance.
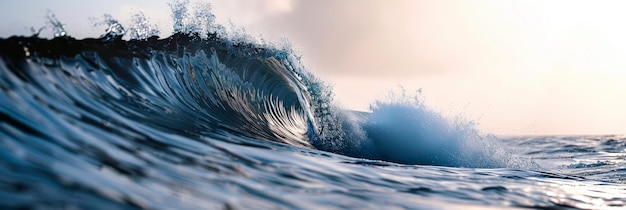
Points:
(208, 119)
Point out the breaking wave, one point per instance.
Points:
(207, 81)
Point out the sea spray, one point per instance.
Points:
(402, 129)
(114, 30)
(57, 26)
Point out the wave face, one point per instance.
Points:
(210, 119)
(177, 83)
(205, 81)
(104, 101)
(212, 87)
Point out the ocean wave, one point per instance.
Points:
(203, 82)
(212, 118)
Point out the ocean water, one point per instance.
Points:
(210, 118)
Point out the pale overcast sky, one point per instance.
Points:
(515, 67)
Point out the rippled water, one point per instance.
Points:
(244, 173)
(211, 120)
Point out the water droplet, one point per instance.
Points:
(58, 28)
(26, 51)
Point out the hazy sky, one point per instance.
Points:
(515, 67)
